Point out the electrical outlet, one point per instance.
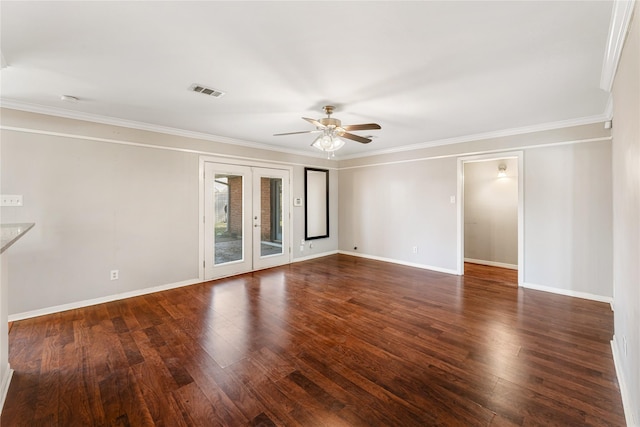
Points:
(301, 248)
(115, 274)
(11, 200)
(415, 249)
(624, 345)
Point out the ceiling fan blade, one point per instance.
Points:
(314, 122)
(295, 133)
(354, 137)
(366, 126)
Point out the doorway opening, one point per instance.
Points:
(490, 217)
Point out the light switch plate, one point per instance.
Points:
(297, 201)
(10, 200)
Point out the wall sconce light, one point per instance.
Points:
(502, 170)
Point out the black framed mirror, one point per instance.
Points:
(316, 203)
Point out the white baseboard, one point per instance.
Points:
(395, 261)
(115, 297)
(4, 386)
(135, 293)
(314, 256)
(624, 389)
(567, 292)
(492, 263)
(101, 300)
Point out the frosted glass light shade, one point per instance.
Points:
(328, 143)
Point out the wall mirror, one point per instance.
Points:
(316, 203)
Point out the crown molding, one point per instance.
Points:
(131, 124)
(113, 121)
(498, 152)
(620, 19)
(487, 135)
(608, 110)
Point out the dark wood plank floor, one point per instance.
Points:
(496, 274)
(329, 342)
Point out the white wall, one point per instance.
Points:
(567, 218)
(626, 221)
(97, 207)
(100, 203)
(389, 207)
(387, 210)
(491, 212)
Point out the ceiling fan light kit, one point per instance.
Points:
(333, 133)
(329, 143)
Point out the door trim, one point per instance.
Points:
(519, 155)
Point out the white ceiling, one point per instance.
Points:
(425, 71)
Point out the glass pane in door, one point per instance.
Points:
(270, 216)
(228, 218)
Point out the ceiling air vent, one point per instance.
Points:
(206, 90)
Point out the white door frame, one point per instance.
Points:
(235, 162)
(519, 155)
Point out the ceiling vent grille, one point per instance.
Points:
(206, 90)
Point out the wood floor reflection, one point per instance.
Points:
(501, 275)
(333, 341)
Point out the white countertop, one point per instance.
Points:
(12, 232)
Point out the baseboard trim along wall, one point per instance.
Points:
(101, 300)
(575, 294)
(492, 263)
(314, 256)
(5, 386)
(395, 261)
(624, 390)
(145, 291)
(138, 292)
(567, 292)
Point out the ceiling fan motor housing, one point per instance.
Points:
(330, 122)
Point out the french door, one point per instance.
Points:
(246, 219)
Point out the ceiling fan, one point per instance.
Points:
(333, 131)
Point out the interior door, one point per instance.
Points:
(246, 219)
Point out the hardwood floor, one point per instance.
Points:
(496, 274)
(333, 341)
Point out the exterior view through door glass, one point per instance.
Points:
(270, 216)
(228, 218)
(246, 219)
